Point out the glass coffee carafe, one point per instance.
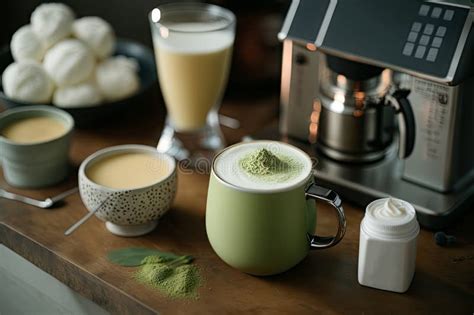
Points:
(359, 112)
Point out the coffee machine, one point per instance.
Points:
(384, 91)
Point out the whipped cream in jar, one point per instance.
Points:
(387, 247)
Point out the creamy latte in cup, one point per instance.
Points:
(130, 187)
(34, 145)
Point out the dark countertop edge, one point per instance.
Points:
(75, 277)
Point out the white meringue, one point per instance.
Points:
(25, 44)
(26, 81)
(117, 77)
(69, 62)
(97, 34)
(84, 94)
(52, 22)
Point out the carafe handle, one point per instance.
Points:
(317, 192)
(406, 122)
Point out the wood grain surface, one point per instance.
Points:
(324, 283)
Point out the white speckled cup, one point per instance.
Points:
(128, 212)
(39, 164)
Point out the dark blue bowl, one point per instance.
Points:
(100, 114)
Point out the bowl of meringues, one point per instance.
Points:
(76, 64)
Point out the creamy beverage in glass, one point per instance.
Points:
(193, 73)
(193, 49)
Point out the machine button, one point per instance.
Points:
(437, 41)
(424, 40)
(420, 52)
(432, 54)
(408, 49)
(441, 31)
(436, 13)
(416, 27)
(448, 15)
(301, 59)
(429, 28)
(412, 37)
(424, 9)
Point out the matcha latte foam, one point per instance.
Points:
(262, 165)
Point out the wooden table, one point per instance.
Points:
(325, 282)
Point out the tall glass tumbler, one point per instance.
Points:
(193, 50)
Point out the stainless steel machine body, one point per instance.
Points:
(431, 53)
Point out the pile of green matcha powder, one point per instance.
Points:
(176, 278)
(269, 166)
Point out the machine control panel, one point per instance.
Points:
(413, 36)
(425, 37)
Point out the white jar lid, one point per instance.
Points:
(391, 217)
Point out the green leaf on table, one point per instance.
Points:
(133, 256)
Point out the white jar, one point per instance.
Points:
(387, 246)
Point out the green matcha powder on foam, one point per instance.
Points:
(264, 164)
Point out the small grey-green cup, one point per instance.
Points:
(39, 164)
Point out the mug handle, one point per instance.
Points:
(317, 192)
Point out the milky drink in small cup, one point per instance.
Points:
(129, 186)
(34, 145)
(258, 216)
(128, 170)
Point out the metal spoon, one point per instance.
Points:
(84, 218)
(44, 204)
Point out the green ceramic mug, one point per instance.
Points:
(265, 230)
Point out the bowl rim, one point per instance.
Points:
(56, 111)
(124, 148)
